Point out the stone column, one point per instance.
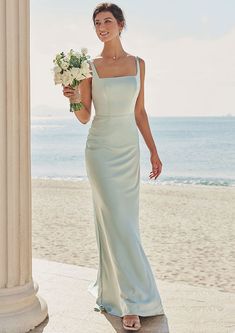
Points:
(20, 308)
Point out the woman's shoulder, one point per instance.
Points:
(93, 63)
(140, 59)
(95, 58)
(135, 56)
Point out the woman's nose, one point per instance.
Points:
(101, 27)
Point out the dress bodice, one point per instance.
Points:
(115, 95)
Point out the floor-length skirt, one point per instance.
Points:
(125, 283)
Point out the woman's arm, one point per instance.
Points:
(81, 93)
(143, 125)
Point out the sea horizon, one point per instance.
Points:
(194, 150)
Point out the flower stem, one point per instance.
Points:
(76, 106)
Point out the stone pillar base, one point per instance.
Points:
(23, 309)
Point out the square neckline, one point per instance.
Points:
(116, 77)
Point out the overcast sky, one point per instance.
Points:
(188, 47)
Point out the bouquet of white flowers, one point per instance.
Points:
(70, 69)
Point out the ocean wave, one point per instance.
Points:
(43, 127)
(169, 181)
(192, 181)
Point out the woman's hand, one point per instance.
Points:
(156, 165)
(72, 93)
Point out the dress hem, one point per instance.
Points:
(101, 308)
(141, 314)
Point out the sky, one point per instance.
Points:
(188, 47)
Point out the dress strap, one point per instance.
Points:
(138, 66)
(94, 72)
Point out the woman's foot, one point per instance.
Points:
(131, 322)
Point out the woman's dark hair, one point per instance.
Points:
(110, 7)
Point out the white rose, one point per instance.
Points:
(80, 76)
(64, 65)
(86, 69)
(58, 56)
(84, 50)
(57, 69)
(71, 52)
(85, 66)
(57, 78)
(66, 78)
(78, 55)
(75, 72)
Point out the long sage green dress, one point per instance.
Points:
(125, 283)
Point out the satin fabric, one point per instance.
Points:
(125, 283)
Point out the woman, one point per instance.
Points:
(125, 284)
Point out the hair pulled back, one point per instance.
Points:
(114, 9)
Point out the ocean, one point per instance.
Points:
(193, 150)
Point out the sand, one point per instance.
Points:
(187, 231)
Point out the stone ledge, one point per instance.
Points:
(188, 309)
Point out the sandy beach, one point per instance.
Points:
(187, 231)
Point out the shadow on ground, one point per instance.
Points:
(151, 324)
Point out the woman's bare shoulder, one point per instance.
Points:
(134, 56)
(141, 62)
(141, 59)
(96, 58)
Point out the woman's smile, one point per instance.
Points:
(104, 33)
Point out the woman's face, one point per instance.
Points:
(106, 26)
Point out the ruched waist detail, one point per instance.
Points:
(113, 130)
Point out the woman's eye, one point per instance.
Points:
(108, 21)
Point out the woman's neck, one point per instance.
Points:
(113, 49)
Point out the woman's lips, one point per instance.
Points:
(104, 34)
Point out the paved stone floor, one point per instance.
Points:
(188, 309)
